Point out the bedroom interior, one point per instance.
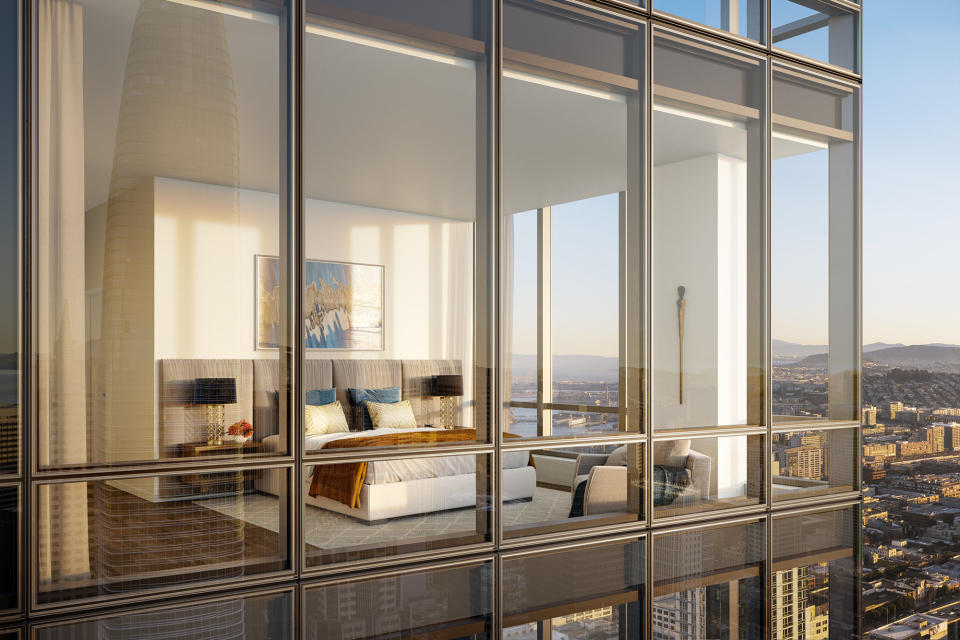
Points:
(428, 405)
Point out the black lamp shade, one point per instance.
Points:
(215, 391)
(446, 385)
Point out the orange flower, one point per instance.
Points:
(242, 428)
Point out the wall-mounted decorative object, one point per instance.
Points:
(342, 305)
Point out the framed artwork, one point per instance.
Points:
(342, 305)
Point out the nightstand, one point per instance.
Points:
(219, 483)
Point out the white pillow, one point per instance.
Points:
(325, 418)
(391, 415)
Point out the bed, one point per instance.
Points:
(389, 488)
(409, 486)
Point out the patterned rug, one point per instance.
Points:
(330, 530)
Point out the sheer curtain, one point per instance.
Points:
(60, 312)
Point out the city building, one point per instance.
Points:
(430, 318)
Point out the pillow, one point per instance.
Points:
(325, 418)
(391, 415)
(671, 453)
(618, 458)
(317, 397)
(359, 398)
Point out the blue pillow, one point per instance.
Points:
(321, 396)
(358, 398)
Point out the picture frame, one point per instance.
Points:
(343, 305)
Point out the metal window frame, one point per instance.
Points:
(296, 460)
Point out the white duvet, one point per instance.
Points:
(384, 471)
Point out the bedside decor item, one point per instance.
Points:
(239, 432)
(446, 387)
(214, 393)
(343, 305)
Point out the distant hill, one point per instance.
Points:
(786, 352)
(935, 357)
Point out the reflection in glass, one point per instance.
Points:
(267, 617)
(818, 30)
(395, 225)
(815, 576)
(807, 463)
(9, 236)
(158, 186)
(384, 507)
(576, 487)
(814, 234)
(708, 583)
(9, 547)
(570, 235)
(585, 594)
(108, 537)
(707, 221)
(702, 474)
(739, 17)
(431, 603)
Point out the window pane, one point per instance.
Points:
(358, 511)
(815, 575)
(707, 235)
(10, 543)
(575, 488)
(434, 603)
(704, 474)
(809, 463)
(570, 301)
(813, 249)
(9, 243)
(591, 592)
(816, 30)
(109, 537)
(396, 218)
(709, 583)
(158, 188)
(267, 616)
(740, 17)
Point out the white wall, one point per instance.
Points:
(706, 194)
(206, 240)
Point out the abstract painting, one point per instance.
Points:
(342, 305)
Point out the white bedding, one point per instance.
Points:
(384, 471)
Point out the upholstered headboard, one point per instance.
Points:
(258, 382)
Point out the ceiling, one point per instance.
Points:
(394, 131)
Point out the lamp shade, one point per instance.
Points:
(215, 391)
(446, 385)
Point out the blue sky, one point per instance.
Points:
(911, 141)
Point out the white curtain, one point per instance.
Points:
(61, 334)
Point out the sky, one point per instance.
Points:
(911, 172)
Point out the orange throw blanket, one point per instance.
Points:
(342, 482)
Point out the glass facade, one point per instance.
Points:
(429, 318)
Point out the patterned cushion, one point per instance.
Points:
(317, 397)
(325, 418)
(391, 415)
(359, 398)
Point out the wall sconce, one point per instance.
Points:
(215, 392)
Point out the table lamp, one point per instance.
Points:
(446, 387)
(215, 392)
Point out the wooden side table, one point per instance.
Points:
(218, 483)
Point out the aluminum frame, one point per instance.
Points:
(292, 42)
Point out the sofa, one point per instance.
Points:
(600, 483)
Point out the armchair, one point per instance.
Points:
(600, 483)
